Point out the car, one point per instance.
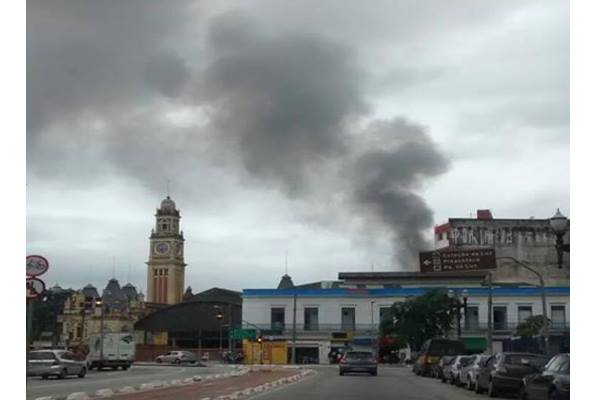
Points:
(177, 357)
(504, 372)
(358, 361)
(446, 373)
(436, 370)
(432, 350)
(470, 372)
(457, 366)
(552, 382)
(59, 363)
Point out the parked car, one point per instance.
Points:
(431, 352)
(470, 372)
(455, 367)
(551, 383)
(436, 370)
(358, 361)
(59, 363)
(446, 370)
(177, 357)
(504, 372)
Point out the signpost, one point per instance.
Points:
(241, 334)
(34, 287)
(457, 260)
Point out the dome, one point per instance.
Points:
(167, 204)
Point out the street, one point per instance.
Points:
(397, 383)
(94, 380)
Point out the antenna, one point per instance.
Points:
(168, 187)
(286, 261)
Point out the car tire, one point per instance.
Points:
(374, 373)
(477, 388)
(82, 373)
(522, 393)
(492, 392)
(443, 379)
(177, 361)
(159, 360)
(63, 374)
(553, 395)
(341, 373)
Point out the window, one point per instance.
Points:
(472, 318)
(278, 318)
(311, 318)
(155, 272)
(499, 317)
(348, 319)
(79, 333)
(524, 312)
(558, 316)
(164, 227)
(383, 313)
(166, 272)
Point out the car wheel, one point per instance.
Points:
(522, 393)
(492, 392)
(82, 373)
(63, 374)
(374, 373)
(177, 361)
(478, 388)
(553, 395)
(443, 379)
(341, 373)
(159, 360)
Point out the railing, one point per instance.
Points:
(509, 327)
(302, 329)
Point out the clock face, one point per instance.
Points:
(162, 248)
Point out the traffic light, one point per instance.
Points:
(259, 339)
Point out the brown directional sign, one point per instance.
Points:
(457, 260)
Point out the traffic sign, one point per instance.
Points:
(35, 265)
(241, 334)
(457, 260)
(34, 288)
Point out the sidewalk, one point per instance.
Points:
(214, 388)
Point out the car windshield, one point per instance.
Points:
(41, 355)
(520, 358)
(359, 355)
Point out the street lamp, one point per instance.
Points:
(559, 225)
(101, 305)
(457, 305)
(219, 317)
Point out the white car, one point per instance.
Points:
(177, 357)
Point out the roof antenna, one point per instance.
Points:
(286, 261)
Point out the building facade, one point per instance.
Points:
(531, 241)
(349, 314)
(166, 266)
(117, 310)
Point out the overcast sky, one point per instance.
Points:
(339, 132)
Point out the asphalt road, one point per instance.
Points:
(397, 383)
(108, 379)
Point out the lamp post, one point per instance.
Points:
(457, 305)
(220, 319)
(559, 225)
(100, 303)
(542, 294)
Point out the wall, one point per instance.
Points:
(531, 241)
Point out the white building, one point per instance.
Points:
(348, 312)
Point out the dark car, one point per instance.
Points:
(432, 351)
(504, 372)
(551, 383)
(358, 361)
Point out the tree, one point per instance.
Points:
(420, 318)
(532, 326)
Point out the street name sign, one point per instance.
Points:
(35, 265)
(241, 334)
(34, 288)
(457, 260)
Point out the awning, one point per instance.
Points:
(475, 344)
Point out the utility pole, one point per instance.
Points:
(229, 330)
(294, 331)
(489, 321)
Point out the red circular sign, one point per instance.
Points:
(35, 265)
(34, 288)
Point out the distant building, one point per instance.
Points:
(528, 240)
(119, 310)
(166, 267)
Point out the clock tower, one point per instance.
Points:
(166, 269)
